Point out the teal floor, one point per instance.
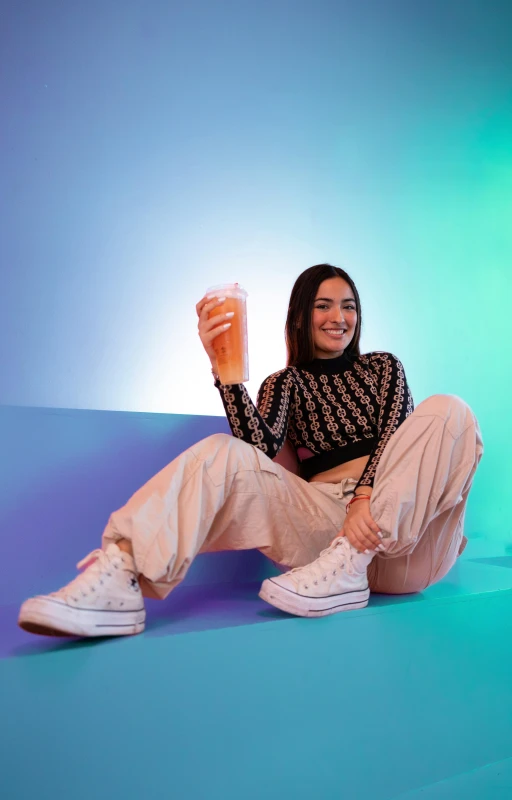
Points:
(409, 698)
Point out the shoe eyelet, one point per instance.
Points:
(315, 583)
(334, 572)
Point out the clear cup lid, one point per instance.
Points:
(226, 290)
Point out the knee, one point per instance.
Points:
(443, 404)
(449, 407)
(223, 443)
(214, 444)
(228, 455)
(456, 414)
(217, 440)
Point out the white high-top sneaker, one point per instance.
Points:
(335, 581)
(104, 600)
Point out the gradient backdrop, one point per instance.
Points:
(152, 149)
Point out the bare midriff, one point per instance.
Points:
(351, 469)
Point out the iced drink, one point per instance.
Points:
(231, 346)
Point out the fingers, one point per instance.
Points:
(209, 327)
(362, 532)
(212, 326)
(219, 319)
(199, 306)
(361, 535)
(207, 304)
(211, 333)
(362, 543)
(373, 525)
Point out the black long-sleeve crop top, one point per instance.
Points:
(336, 409)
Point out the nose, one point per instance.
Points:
(337, 315)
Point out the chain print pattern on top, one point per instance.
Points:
(364, 368)
(332, 425)
(245, 420)
(348, 427)
(264, 404)
(333, 407)
(392, 396)
(364, 400)
(351, 405)
(297, 425)
(312, 422)
(231, 412)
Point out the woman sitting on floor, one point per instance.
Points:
(379, 504)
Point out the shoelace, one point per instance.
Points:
(97, 563)
(337, 556)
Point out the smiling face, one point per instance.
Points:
(334, 318)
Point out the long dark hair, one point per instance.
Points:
(298, 333)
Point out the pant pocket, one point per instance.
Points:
(267, 465)
(229, 457)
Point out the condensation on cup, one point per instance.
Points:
(231, 346)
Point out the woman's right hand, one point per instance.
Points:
(209, 329)
(361, 529)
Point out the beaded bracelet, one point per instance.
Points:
(358, 497)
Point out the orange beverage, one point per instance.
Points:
(231, 346)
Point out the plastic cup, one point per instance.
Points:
(231, 346)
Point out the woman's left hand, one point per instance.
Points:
(360, 528)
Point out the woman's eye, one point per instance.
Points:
(325, 308)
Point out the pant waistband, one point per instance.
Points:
(341, 490)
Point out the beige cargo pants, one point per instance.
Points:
(224, 494)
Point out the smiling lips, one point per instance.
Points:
(336, 333)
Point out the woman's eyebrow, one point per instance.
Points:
(330, 300)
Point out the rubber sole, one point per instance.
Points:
(300, 606)
(49, 618)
